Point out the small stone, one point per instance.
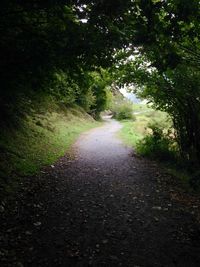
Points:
(37, 224)
(19, 264)
(113, 257)
(156, 219)
(36, 205)
(2, 209)
(105, 241)
(156, 208)
(52, 166)
(28, 233)
(2, 253)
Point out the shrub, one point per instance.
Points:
(123, 111)
(63, 88)
(157, 145)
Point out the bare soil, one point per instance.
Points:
(104, 207)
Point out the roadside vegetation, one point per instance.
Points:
(121, 108)
(152, 135)
(135, 131)
(148, 130)
(42, 137)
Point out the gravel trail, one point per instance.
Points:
(105, 207)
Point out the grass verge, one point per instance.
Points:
(129, 134)
(39, 141)
(134, 131)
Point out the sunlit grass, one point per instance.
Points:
(41, 140)
(133, 131)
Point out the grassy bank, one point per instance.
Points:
(134, 131)
(40, 139)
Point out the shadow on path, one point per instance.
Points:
(104, 208)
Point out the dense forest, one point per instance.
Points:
(75, 51)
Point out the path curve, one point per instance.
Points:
(106, 207)
(101, 146)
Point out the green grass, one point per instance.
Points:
(129, 134)
(141, 107)
(40, 140)
(133, 131)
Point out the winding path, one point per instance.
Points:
(106, 207)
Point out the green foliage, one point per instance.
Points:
(121, 108)
(100, 88)
(130, 133)
(43, 137)
(134, 131)
(172, 87)
(63, 88)
(165, 68)
(124, 112)
(39, 38)
(157, 145)
(177, 92)
(86, 99)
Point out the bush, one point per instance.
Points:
(63, 88)
(157, 145)
(123, 111)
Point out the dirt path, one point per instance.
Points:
(104, 208)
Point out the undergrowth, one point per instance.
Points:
(157, 144)
(151, 136)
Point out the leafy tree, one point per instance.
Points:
(164, 65)
(101, 90)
